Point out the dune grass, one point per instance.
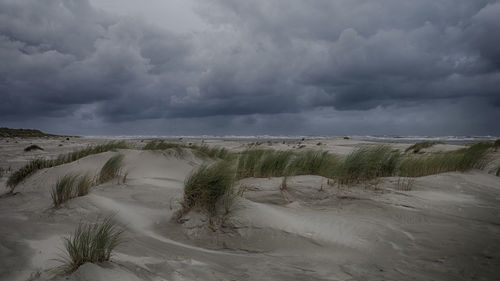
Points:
(69, 187)
(83, 185)
(363, 164)
(206, 185)
(367, 164)
(212, 152)
(313, 162)
(161, 145)
(496, 144)
(111, 168)
(63, 190)
(202, 150)
(90, 242)
(440, 162)
(37, 164)
(273, 164)
(33, 147)
(263, 163)
(421, 145)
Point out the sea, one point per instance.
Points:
(383, 138)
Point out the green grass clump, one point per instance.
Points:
(33, 147)
(271, 163)
(69, 187)
(83, 185)
(92, 242)
(367, 164)
(111, 168)
(64, 190)
(457, 160)
(249, 161)
(313, 162)
(37, 164)
(421, 145)
(205, 186)
(263, 163)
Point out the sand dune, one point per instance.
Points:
(446, 228)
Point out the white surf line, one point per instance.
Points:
(129, 215)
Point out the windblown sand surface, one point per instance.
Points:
(446, 228)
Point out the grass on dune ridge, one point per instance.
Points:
(111, 168)
(421, 145)
(475, 156)
(70, 186)
(63, 190)
(362, 164)
(367, 164)
(90, 242)
(206, 185)
(203, 150)
(39, 163)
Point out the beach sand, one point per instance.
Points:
(447, 227)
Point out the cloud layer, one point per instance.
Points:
(284, 66)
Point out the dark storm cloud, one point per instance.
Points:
(269, 57)
(362, 54)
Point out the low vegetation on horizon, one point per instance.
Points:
(23, 133)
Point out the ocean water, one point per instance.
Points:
(399, 139)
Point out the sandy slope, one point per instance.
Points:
(446, 228)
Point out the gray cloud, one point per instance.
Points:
(261, 63)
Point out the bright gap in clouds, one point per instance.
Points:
(175, 15)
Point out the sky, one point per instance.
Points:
(260, 67)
